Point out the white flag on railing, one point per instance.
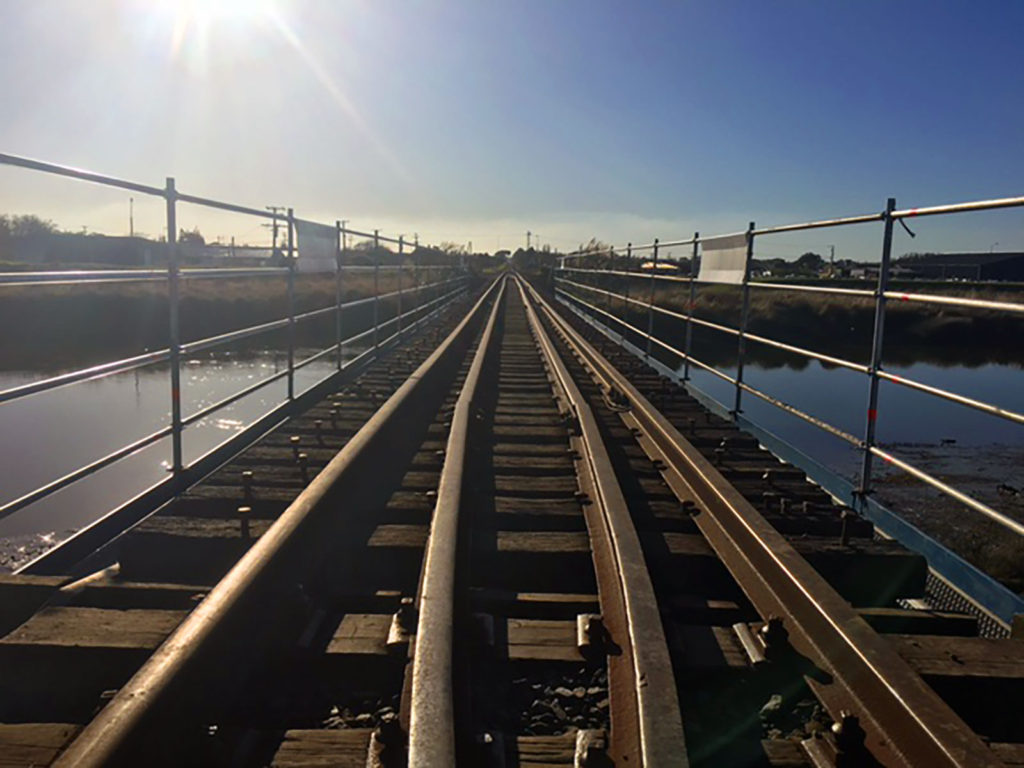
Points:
(723, 259)
(318, 247)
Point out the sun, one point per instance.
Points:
(203, 13)
(195, 23)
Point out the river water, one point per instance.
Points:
(47, 435)
(839, 397)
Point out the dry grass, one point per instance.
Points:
(841, 325)
(62, 327)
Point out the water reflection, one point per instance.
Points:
(48, 435)
(45, 436)
(839, 397)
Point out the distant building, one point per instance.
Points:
(1006, 265)
(74, 248)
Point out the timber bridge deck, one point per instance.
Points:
(506, 542)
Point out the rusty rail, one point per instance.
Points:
(906, 722)
(432, 707)
(647, 728)
(117, 730)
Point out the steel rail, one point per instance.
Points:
(650, 731)
(118, 729)
(432, 700)
(42, 492)
(905, 720)
(70, 552)
(948, 490)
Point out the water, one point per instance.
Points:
(45, 436)
(839, 396)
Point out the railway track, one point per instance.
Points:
(496, 549)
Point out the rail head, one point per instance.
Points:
(109, 738)
(432, 706)
(649, 731)
(906, 721)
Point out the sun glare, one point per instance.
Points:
(203, 12)
(202, 17)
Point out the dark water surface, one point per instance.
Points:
(839, 396)
(47, 435)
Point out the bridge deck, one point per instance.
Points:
(326, 522)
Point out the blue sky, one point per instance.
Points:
(479, 120)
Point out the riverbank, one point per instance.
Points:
(836, 325)
(992, 474)
(64, 327)
(16, 551)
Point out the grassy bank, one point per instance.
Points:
(64, 327)
(835, 325)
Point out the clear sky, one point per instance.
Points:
(480, 120)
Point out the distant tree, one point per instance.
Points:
(191, 237)
(810, 262)
(26, 225)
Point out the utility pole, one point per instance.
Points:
(274, 209)
(131, 217)
(528, 233)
